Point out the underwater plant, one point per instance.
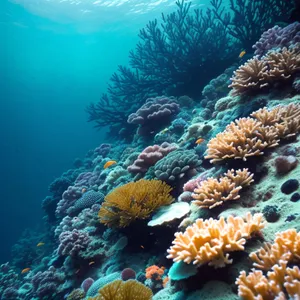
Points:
(134, 200)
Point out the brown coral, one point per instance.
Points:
(251, 136)
(251, 75)
(258, 73)
(241, 139)
(212, 192)
(209, 241)
(124, 290)
(134, 200)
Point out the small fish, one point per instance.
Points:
(83, 190)
(40, 244)
(77, 271)
(242, 54)
(142, 247)
(26, 270)
(109, 163)
(199, 141)
(91, 263)
(165, 130)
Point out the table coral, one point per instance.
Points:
(214, 192)
(132, 201)
(209, 241)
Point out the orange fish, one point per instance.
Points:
(40, 244)
(242, 54)
(26, 270)
(109, 163)
(91, 263)
(199, 141)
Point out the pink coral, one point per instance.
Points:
(71, 242)
(150, 156)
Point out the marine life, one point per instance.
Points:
(199, 141)
(109, 163)
(26, 270)
(242, 54)
(191, 187)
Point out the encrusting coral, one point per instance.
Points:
(124, 290)
(132, 201)
(281, 281)
(251, 136)
(214, 192)
(209, 241)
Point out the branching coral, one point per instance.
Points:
(272, 68)
(124, 290)
(280, 282)
(251, 136)
(210, 241)
(213, 192)
(241, 139)
(132, 201)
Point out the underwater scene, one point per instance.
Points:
(150, 149)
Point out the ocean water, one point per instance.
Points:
(59, 56)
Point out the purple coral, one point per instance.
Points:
(154, 113)
(87, 200)
(47, 283)
(102, 150)
(150, 156)
(71, 242)
(278, 37)
(86, 284)
(69, 197)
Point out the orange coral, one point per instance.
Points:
(154, 272)
(279, 280)
(134, 200)
(212, 192)
(209, 241)
(248, 137)
(124, 290)
(241, 139)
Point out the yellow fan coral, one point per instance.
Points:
(210, 241)
(124, 290)
(241, 139)
(134, 200)
(212, 192)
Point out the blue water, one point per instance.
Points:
(56, 58)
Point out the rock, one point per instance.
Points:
(290, 186)
(271, 213)
(285, 164)
(295, 197)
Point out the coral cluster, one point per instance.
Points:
(248, 137)
(258, 73)
(280, 280)
(212, 192)
(210, 241)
